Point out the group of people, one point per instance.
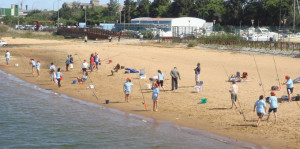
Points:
(69, 62)
(56, 76)
(260, 105)
(35, 65)
(94, 61)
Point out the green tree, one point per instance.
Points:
(130, 10)
(143, 8)
(159, 8)
(180, 8)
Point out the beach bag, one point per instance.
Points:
(274, 88)
(61, 77)
(298, 97)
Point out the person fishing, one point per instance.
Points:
(233, 93)
(58, 77)
(38, 67)
(273, 106)
(289, 86)
(175, 76)
(32, 65)
(67, 62)
(260, 106)
(160, 79)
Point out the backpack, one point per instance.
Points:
(274, 88)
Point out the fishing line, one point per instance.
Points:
(277, 73)
(144, 101)
(261, 84)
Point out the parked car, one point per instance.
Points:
(3, 44)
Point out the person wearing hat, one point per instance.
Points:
(260, 106)
(38, 66)
(84, 66)
(155, 93)
(289, 86)
(197, 74)
(233, 93)
(32, 62)
(273, 105)
(7, 56)
(127, 88)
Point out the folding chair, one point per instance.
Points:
(142, 74)
(197, 88)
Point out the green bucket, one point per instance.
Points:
(204, 100)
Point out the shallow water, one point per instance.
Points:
(31, 117)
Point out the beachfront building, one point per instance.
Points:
(13, 11)
(81, 5)
(173, 27)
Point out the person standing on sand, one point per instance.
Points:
(67, 62)
(175, 76)
(160, 79)
(52, 72)
(71, 62)
(260, 106)
(233, 93)
(58, 77)
(197, 74)
(7, 56)
(273, 106)
(92, 61)
(96, 58)
(155, 92)
(38, 66)
(32, 65)
(289, 86)
(84, 66)
(127, 88)
(85, 39)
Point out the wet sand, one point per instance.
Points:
(178, 106)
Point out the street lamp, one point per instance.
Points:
(252, 21)
(214, 25)
(284, 21)
(58, 13)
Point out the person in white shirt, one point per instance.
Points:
(84, 66)
(7, 56)
(233, 92)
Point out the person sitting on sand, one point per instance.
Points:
(155, 92)
(116, 69)
(273, 106)
(233, 93)
(127, 88)
(38, 66)
(260, 106)
(234, 78)
(84, 66)
(83, 79)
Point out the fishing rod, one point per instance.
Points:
(277, 74)
(144, 101)
(261, 84)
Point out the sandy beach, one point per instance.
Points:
(181, 106)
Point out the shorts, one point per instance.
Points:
(84, 69)
(67, 65)
(197, 77)
(260, 115)
(274, 109)
(71, 65)
(154, 98)
(7, 59)
(33, 65)
(161, 83)
(127, 92)
(97, 63)
(290, 91)
(233, 97)
(38, 69)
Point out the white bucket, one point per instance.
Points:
(148, 86)
(16, 65)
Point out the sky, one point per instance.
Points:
(43, 4)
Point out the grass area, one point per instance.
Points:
(33, 35)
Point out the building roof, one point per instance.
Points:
(152, 19)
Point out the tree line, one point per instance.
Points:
(225, 12)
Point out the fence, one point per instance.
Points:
(91, 33)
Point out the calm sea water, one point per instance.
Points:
(31, 117)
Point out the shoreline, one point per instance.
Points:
(146, 119)
(212, 117)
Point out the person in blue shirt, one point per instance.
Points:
(160, 80)
(273, 106)
(260, 106)
(71, 62)
(155, 93)
(67, 62)
(38, 66)
(32, 64)
(289, 86)
(52, 72)
(58, 76)
(127, 88)
(96, 58)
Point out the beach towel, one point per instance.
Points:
(297, 80)
(131, 70)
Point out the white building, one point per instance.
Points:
(172, 26)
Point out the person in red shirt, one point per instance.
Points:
(92, 61)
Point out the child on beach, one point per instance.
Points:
(160, 79)
(32, 64)
(84, 66)
(71, 62)
(96, 58)
(127, 88)
(52, 72)
(273, 106)
(289, 86)
(7, 56)
(115, 69)
(260, 106)
(92, 61)
(155, 93)
(38, 66)
(233, 93)
(67, 62)
(58, 77)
